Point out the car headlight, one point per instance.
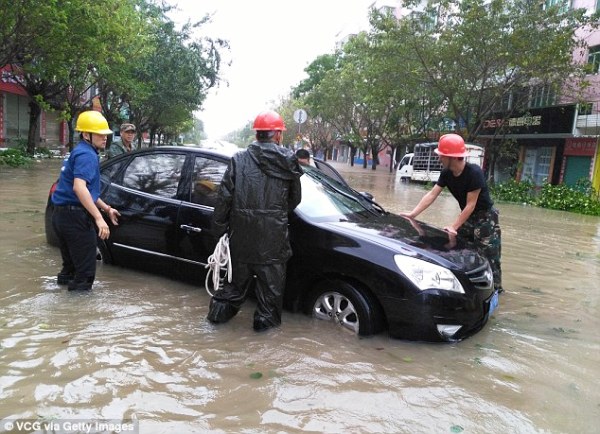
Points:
(426, 275)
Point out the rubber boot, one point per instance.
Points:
(220, 312)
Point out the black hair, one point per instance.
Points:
(262, 135)
(302, 153)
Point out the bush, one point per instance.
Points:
(514, 191)
(581, 199)
(14, 157)
(43, 153)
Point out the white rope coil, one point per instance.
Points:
(218, 261)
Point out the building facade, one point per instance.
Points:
(557, 134)
(14, 118)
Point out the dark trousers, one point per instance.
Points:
(77, 236)
(268, 282)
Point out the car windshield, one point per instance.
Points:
(324, 198)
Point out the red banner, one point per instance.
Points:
(581, 146)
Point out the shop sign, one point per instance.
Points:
(547, 120)
(8, 83)
(581, 146)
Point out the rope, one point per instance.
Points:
(218, 261)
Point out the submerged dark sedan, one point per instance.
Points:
(354, 264)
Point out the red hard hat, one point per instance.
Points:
(451, 145)
(269, 121)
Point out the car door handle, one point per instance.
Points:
(190, 228)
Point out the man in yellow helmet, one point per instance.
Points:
(77, 204)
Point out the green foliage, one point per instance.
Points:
(43, 153)
(14, 157)
(581, 199)
(514, 191)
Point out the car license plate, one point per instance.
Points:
(493, 303)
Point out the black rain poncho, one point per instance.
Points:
(260, 187)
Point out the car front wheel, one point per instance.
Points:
(345, 305)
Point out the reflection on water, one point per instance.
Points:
(137, 346)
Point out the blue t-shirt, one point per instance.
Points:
(83, 163)
(470, 179)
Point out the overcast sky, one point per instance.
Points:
(272, 42)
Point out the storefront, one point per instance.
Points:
(578, 160)
(542, 135)
(14, 117)
(14, 110)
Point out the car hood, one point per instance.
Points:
(413, 238)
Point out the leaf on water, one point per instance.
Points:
(477, 361)
(44, 326)
(485, 346)
(456, 428)
(508, 377)
(256, 375)
(563, 330)
(407, 359)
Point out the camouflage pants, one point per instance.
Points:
(484, 230)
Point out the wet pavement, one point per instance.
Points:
(137, 347)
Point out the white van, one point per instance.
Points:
(426, 165)
(405, 168)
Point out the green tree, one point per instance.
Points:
(524, 45)
(178, 72)
(79, 36)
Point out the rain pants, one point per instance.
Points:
(260, 187)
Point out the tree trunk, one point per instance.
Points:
(34, 117)
(375, 159)
(71, 129)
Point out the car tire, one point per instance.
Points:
(346, 305)
(103, 253)
(51, 237)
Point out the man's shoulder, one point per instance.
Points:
(474, 169)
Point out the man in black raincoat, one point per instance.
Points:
(260, 187)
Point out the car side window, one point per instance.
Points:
(157, 174)
(206, 180)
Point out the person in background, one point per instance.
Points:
(260, 187)
(124, 145)
(303, 157)
(478, 219)
(77, 204)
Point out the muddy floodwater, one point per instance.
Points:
(137, 347)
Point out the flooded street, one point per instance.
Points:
(137, 347)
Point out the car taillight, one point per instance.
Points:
(53, 188)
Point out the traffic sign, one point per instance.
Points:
(300, 116)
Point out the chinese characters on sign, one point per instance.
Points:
(522, 121)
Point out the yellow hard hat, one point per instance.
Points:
(92, 122)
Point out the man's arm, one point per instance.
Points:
(220, 222)
(295, 194)
(424, 203)
(85, 197)
(472, 197)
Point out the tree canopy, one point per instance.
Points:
(440, 68)
(128, 53)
